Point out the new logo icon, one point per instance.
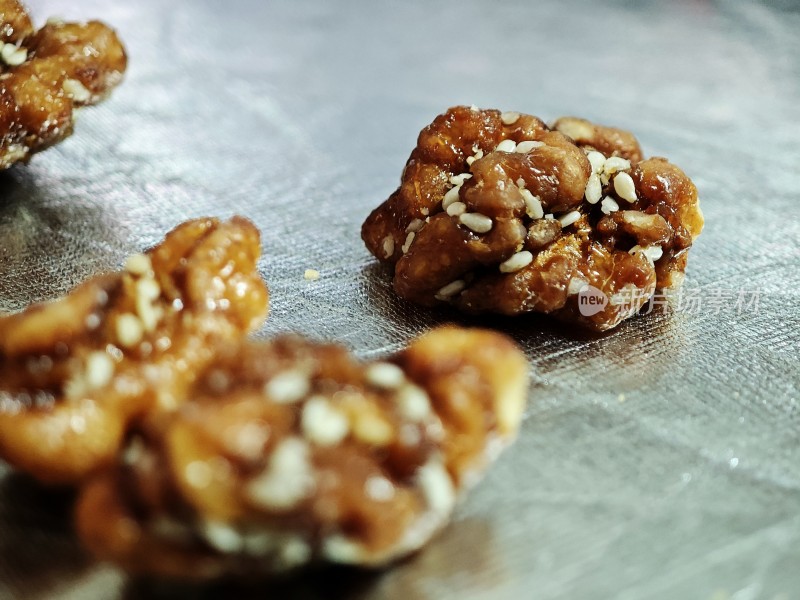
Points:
(591, 300)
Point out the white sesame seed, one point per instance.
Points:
(323, 424)
(129, 330)
(520, 183)
(550, 217)
(388, 246)
(93, 321)
(651, 253)
(533, 204)
(506, 146)
(476, 222)
(311, 275)
(527, 146)
(77, 423)
(576, 284)
(138, 264)
(99, 370)
(222, 537)
(451, 289)
(385, 376)
(509, 118)
(413, 403)
(609, 205)
(372, 429)
(437, 487)
(407, 244)
(13, 56)
(148, 289)
(594, 189)
(474, 108)
(616, 163)
(456, 209)
(451, 196)
(478, 154)
(624, 186)
(76, 90)
(288, 387)
(287, 479)
(340, 549)
(379, 488)
(415, 225)
(569, 218)
(517, 261)
(199, 474)
(460, 179)
(597, 160)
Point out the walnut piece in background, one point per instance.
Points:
(75, 372)
(291, 452)
(45, 75)
(497, 212)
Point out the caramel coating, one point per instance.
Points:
(291, 453)
(75, 372)
(61, 67)
(496, 212)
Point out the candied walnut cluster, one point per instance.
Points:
(291, 453)
(75, 372)
(497, 212)
(45, 75)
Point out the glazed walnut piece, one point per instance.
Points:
(496, 212)
(75, 372)
(46, 75)
(291, 453)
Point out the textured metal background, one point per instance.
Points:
(660, 461)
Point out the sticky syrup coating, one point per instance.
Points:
(46, 75)
(497, 212)
(75, 372)
(292, 453)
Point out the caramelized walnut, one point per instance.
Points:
(291, 453)
(496, 212)
(75, 372)
(46, 75)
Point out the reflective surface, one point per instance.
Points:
(660, 461)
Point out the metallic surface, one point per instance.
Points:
(659, 461)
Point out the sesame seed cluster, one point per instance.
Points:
(199, 454)
(75, 372)
(46, 74)
(291, 452)
(497, 212)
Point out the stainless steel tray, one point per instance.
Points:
(660, 461)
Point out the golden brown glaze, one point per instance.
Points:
(46, 75)
(291, 452)
(496, 212)
(76, 371)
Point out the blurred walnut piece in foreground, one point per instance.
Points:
(45, 75)
(76, 372)
(291, 453)
(497, 212)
